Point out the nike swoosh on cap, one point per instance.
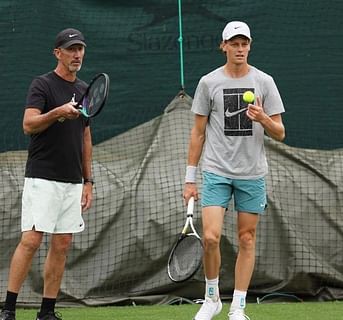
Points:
(72, 35)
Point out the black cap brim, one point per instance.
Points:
(71, 42)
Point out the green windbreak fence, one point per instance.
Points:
(141, 139)
(136, 43)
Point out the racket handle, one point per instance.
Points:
(190, 207)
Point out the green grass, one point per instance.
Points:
(264, 311)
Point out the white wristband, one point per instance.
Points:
(191, 174)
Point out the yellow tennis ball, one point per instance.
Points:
(248, 97)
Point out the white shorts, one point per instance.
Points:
(51, 206)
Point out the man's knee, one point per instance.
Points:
(30, 244)
(211, 240)
(61, 243)
(247, 239)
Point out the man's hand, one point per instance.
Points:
(87, 196)
(190, 190)
(68, 111)
(256, 112)
(272, 124)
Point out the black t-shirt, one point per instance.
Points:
(56, 153)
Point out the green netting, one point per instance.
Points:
(136, 42)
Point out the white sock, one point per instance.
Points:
(212, 289)
(238, 300)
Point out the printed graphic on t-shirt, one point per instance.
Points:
(236, 122)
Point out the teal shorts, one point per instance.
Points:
(249, 195)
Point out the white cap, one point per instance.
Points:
(236, 28)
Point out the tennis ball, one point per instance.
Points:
(248, 97)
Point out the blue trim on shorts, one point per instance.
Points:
(249, 194)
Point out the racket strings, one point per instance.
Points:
(96, 96)
(186, 258)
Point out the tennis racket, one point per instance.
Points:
(95, 96)
(186, 255)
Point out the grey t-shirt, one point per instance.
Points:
(234, 145)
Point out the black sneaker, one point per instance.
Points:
(7, 315)
(49, 316)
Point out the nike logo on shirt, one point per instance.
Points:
(232, 114)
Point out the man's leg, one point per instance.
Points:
(245, 262)
(20, 266)
(212, 220)
(247, 224)
(53, 271)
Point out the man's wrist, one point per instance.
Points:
(191, 174)
(88, 180)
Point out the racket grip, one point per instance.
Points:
(190, 207)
